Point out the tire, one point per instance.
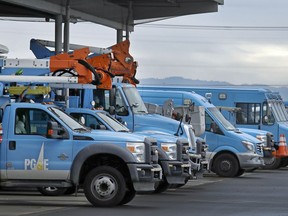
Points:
(70, 190)
(104, 186)
(284, 162)
(161, 186)
(52, 191)
(226, 165)
(272, 164)
(180, 185)
(130, 194)
(240, 172)
(251, 170)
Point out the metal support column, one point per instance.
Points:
(119, 35)
(58, 34)
(129, 22)
(67, 27)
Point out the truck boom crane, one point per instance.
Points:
(108, 62)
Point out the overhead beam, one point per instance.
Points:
(54, 10)
(180, 9)
(39, 5)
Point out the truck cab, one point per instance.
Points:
(43, 146)
(172, 151)
(230, 151)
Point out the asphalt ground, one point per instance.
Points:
(262, 192)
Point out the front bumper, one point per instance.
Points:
(198, 162)
(268, 151)
(144, 176)
(248, 161)
(176, 172)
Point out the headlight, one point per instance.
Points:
(248, 145)
(138, 151)
(170, 149)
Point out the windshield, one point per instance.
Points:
(113, 123)
(218, 115)
(67, 119)
(279, 111)
(134, 99)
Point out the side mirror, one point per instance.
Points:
(55, 132)
(82, 120)
(111, 110)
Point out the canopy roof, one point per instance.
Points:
(117, 14)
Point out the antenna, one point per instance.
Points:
(180, 122)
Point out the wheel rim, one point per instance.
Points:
(104, 187)
(225, 165)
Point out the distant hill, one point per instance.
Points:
(176, 81)
(181, 81)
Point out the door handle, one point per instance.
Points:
(12, 145)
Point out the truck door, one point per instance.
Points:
(269, 117)
(30, 154)
(210, 136)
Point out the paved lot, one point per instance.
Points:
(258, 193)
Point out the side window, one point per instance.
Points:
(21, 125)
(211, 125)
(120, 106)
(31, 121)
(267, 118)
(248, 113)
(87, 119)
(208, 122)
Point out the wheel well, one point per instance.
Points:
(221, 153)
(107, 160)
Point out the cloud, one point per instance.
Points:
(236, 56)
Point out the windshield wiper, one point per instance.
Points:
(123, 131)
(141, 111)
(80, 129)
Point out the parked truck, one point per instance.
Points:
(43, 146)
(230, 151)
(172, 151)
(249, 108)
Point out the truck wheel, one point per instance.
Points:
(161, 186)
(271, 164)
(130, 194)
(180, 185)
(104, 186)
(240, 172)
(52, 191)
(284, 162)
(226, 165)
(70, 190)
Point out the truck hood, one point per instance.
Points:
(159, 136)
(253, 132)
(105, 135)
(150, 122)
(246, 137)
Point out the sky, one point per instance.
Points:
(245, 42)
